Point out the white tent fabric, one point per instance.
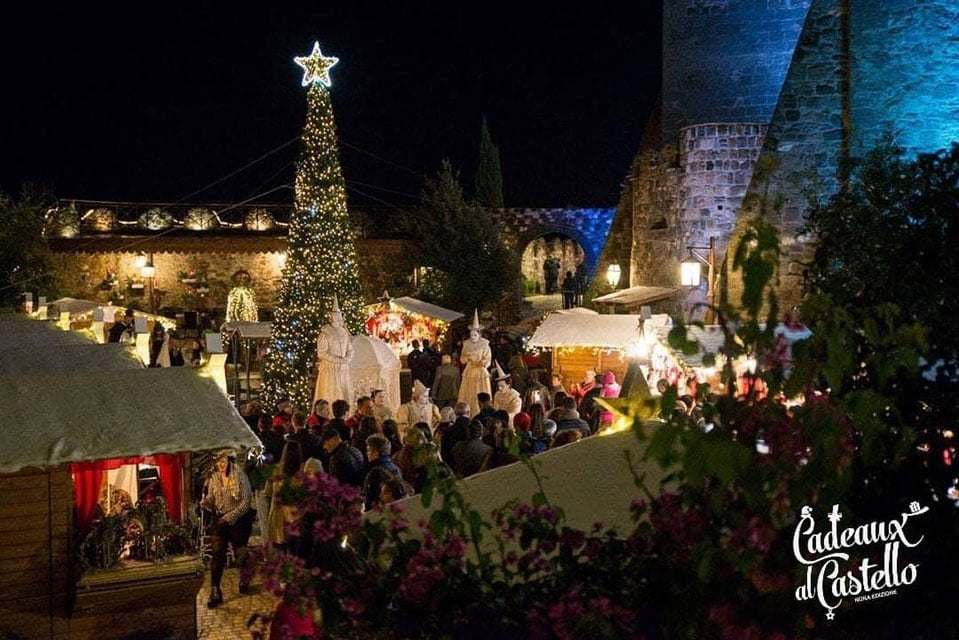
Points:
(561, 329)
(79, 308)
(426, 309)
(70, 400)
(88, 415)
(375, 366)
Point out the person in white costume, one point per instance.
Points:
(477, 357)
(334, 350)
(507, 398)
(418, 409)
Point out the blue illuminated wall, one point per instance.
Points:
(905, 72)
(588, 227)
(725, 60)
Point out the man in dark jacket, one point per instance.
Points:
(382, 468)
(571, 419)
(310, 443)
(429, 362)
(472, 455)
(346, 462)
(486, 408)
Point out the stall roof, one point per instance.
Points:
(426, 309)
(80, 307)
(250, 330)
(70, 400)
(20, 332)
(637, 296)
(68, 358)
(591, 330)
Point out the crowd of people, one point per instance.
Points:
(388, 457)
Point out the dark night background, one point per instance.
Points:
(142, 103)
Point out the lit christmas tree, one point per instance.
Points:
(321, 258)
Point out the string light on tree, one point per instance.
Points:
(320, 255)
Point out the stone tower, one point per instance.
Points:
(789, 87)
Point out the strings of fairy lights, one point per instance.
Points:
(321, 257)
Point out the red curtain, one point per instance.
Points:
(170, 467)
(88, 481)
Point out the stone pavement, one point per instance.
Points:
(544, 303)
(229, 620)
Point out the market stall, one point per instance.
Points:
(89, 429)
(582, 340)
(375, 366)
(399, 321)
(98, 317)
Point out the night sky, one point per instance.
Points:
(144, 104)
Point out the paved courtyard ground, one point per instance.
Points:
(544, 303)
(229, 620)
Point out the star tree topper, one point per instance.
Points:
(316, 67)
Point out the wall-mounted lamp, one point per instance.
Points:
(613, 273)
(690, 273)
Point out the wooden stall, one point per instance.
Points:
(580, 340)
(73, 405)
(399, 321)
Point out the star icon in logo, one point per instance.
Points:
(834, 515)
(830, 615)
(316, 67)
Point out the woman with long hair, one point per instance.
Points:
(291, 462)
(541, 429)
(227, 494)
(159, 346)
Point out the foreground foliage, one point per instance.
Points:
(710, 554)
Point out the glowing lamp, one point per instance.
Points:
(690, 272)
(140, 261)
(613, 274)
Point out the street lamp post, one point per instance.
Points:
(690, 274)
(148, 272)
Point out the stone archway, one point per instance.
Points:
(565, 250)
(588, 227)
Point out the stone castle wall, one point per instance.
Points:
(717, 162)
(801, 153)
(725, 60)
(383, 264)
(905, 72)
